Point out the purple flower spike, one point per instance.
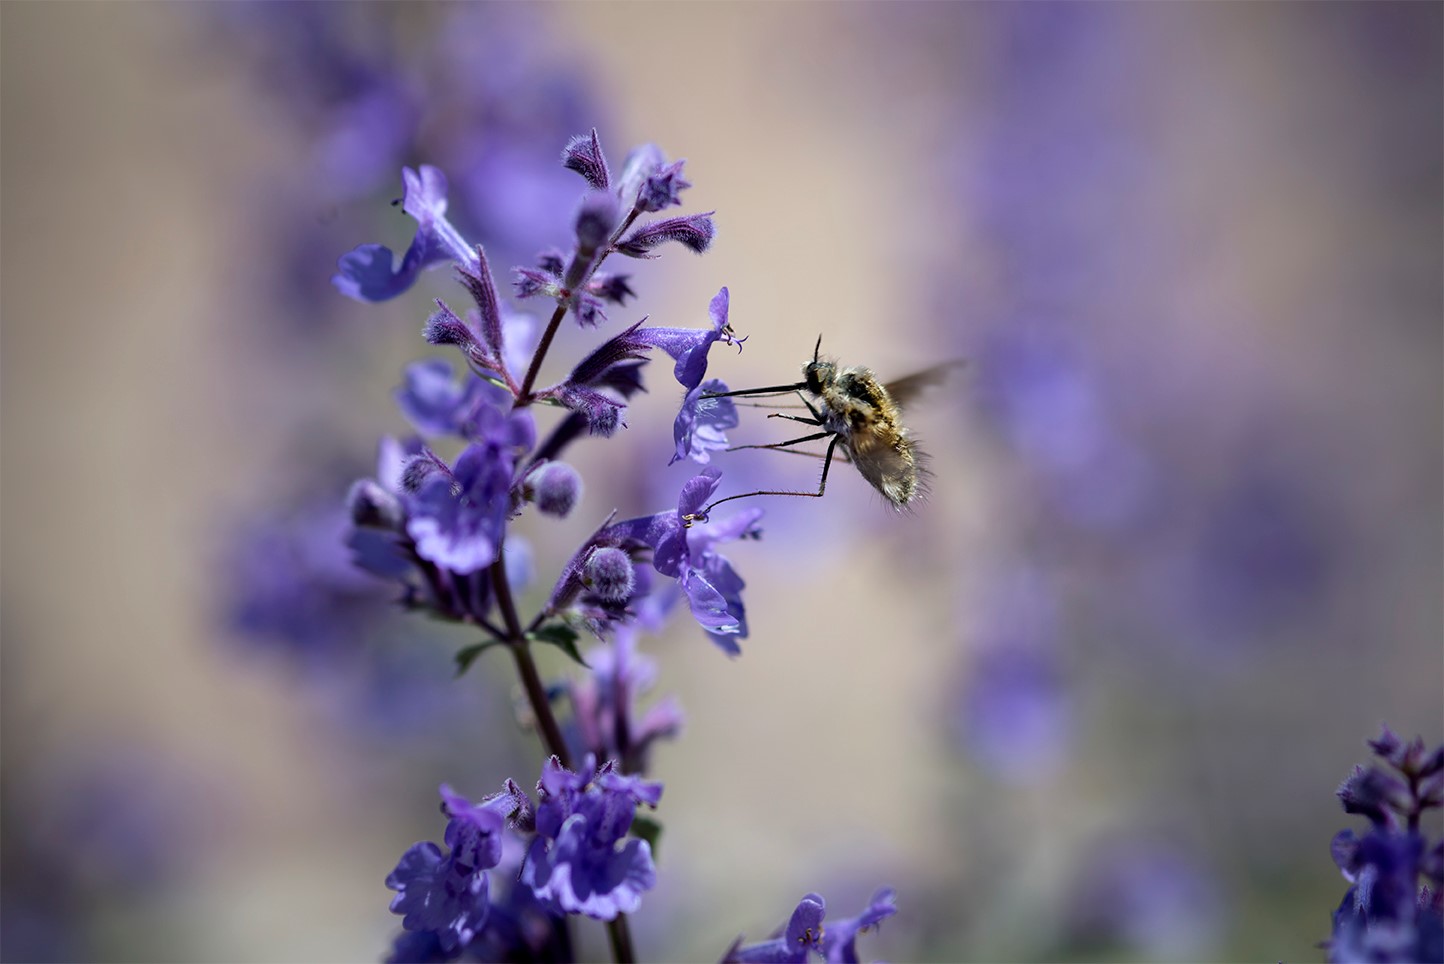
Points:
(701, 425)
(583, 154)
(1388, 913)
(369, 272)
(694, 231)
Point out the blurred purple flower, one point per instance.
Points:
(606, 720)
(1388, 914)
(1155, 900)
(805, 934)
(1014, 714)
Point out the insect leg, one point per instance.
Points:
(821, 485)
(770, 390)
(798, 418)
(778, 445)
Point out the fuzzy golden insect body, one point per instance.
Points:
(860, 410)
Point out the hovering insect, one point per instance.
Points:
(857, 411)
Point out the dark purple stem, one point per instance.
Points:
(526, 666)
(524, 397)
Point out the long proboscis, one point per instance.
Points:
(770, 390)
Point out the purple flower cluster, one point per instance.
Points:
(580, 860)
(1387, 913)
(443, 528)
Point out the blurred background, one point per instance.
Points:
(1181, 558)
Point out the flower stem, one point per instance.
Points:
(526, 666)
(621, 938)
(524, 397)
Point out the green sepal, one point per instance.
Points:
(560, 635)
(648, 829)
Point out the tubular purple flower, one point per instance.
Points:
(693, 231)
(687, 554)
(689, 346)
(369, 272)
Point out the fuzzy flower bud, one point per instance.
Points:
(555, 487)
(596, 219)
(609, 573)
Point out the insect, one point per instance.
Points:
(858, 412)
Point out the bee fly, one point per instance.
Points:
(856, 411)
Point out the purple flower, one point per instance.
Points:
(582, 861)
(369, 272)
(458, 515)
(805, 934)
(701, 425)
(689, 346)
(605, 719)
(712, 587)
(435, 402)
(446, 894)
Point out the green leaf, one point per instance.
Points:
(560, 635)
(467, 655)
(648, 829)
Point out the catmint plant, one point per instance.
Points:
(513, 868)
(1394, 907)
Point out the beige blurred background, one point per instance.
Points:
(137, 421)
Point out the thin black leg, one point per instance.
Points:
(821, 485)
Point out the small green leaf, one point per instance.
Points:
(648, 829)
(560, 635)
(467, 655)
